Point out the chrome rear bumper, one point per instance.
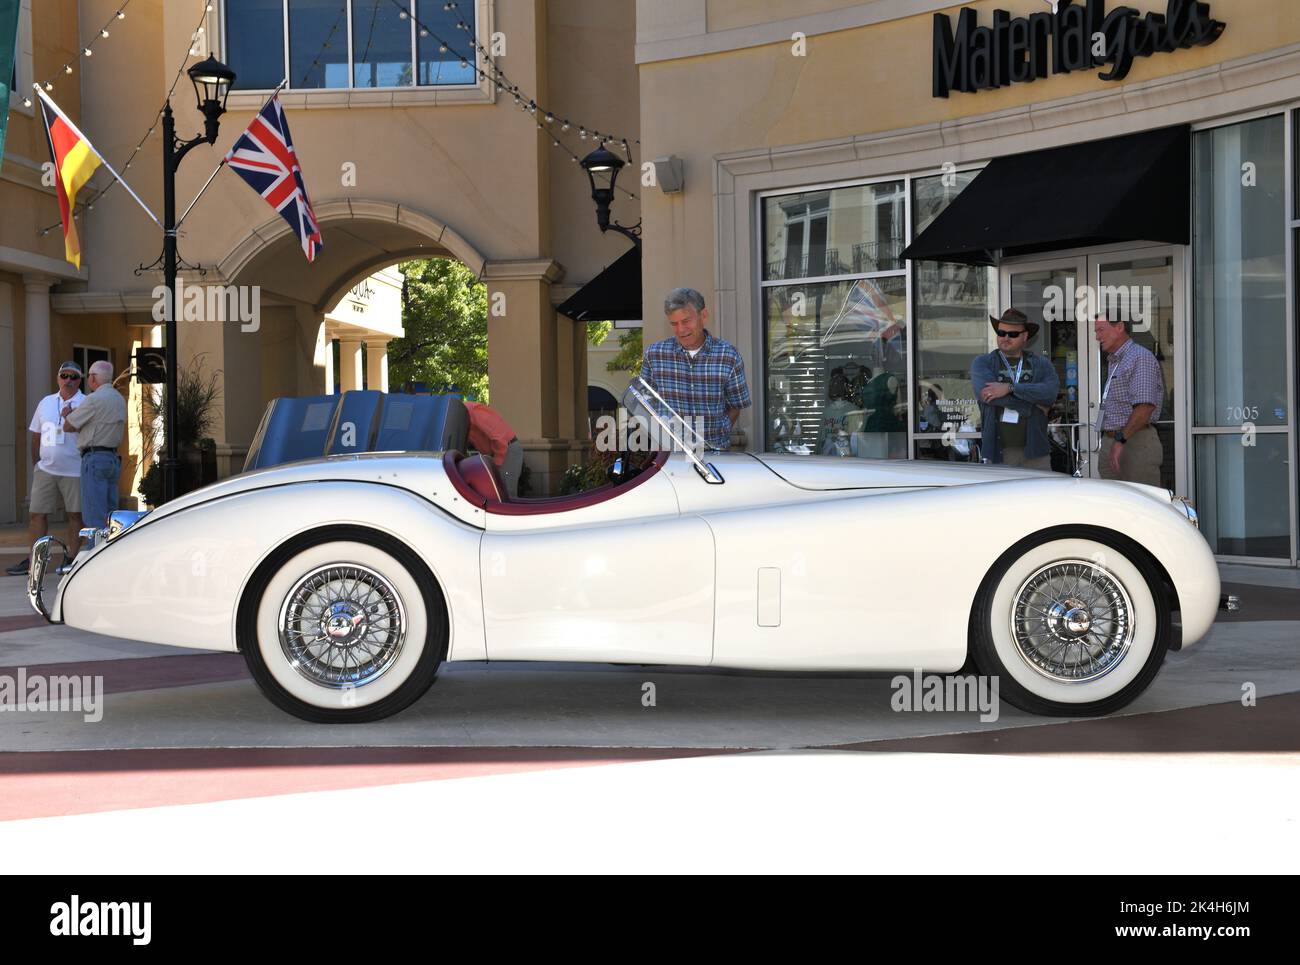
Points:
(40, 561)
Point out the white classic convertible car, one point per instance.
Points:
(346, 581)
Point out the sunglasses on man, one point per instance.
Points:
(70, 376)
(1006, 334)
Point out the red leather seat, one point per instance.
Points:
(477, 482)
(481, 476)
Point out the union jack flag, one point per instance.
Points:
(264, 157)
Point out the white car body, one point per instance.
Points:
(791, 563)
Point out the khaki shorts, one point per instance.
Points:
(47, 490)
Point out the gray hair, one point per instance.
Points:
(103, 371)
(683, 298)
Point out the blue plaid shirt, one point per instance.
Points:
(704, 386)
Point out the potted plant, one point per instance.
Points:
(197, 395)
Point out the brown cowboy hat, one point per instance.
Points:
(1014, 316)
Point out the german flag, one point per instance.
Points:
(75, 161)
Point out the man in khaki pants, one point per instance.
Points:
(57, 476)
(1131, 402)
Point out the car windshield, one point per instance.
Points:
(665, 427)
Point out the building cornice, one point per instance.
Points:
(1190, 97)
(30, 263)
(96, 303)
(685, 33)
(527, 269)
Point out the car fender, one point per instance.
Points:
(178, 580)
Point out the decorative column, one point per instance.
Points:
(40, 369)
(331, 377)
(532, 362)
(377, 364)
(350, 369)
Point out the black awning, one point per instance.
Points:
(612, 296)
(1131, 188)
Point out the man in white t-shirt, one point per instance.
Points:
(57, 476)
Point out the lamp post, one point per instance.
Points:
(605, 165)
(212, 81)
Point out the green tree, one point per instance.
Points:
(630, 353)
(444, 311)
(596, 332)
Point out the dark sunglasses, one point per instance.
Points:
(1002, 334)
(73, 376)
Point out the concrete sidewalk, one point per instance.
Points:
(162, 697)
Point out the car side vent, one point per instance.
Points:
(769, 596)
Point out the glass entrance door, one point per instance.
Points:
(1042, 290)
(1064, 295)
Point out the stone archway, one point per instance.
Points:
(536, 359)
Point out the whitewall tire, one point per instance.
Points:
(1074, 623)
(345, 625)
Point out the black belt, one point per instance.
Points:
(1110, 433)
(98, 449)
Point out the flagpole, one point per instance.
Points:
(211, 178)
(220, 164)
(85, 140)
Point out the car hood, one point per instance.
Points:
(831, 472)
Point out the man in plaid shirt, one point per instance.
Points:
(702, 377)
(1131, 401)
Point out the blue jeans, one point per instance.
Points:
(99, 472)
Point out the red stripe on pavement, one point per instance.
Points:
(146, 673)
(22, 623)
(53, 783)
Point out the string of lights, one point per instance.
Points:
(86, 51)
(545, 120)
(153, 126)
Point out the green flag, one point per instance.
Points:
(8, 51)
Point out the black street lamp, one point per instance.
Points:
(606, 165)
(212, 82)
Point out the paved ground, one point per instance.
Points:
(183, 730)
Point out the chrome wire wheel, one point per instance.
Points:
(342, 625)
(1072, 621)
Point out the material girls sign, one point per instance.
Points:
(1071, 36)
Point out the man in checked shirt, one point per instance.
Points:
(701, 376)
(1131, 399)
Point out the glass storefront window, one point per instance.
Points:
(952, 303)
(381, 45)
(384, 33)
(255, 42)
(837, 367)
(318, 43)
(438, 66)
(838, 231)
(1242, 494)
(1239, 279)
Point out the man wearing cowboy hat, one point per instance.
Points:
(1015, 389)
